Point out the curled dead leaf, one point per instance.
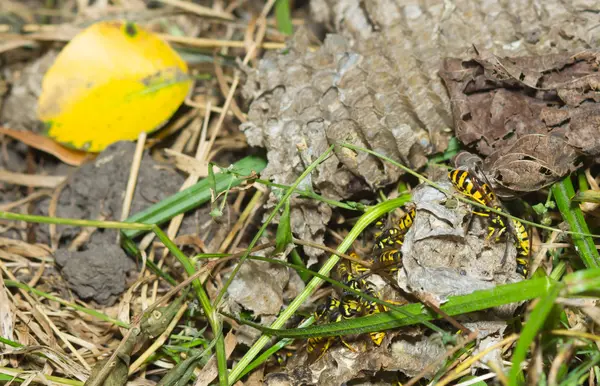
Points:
(69, 156)
(532, 116)
(531, 163)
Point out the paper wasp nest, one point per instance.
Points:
(375, 84)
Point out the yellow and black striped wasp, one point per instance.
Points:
(471, 186)
(349, 273)
(522, 247)
(394, 236)
(352, 305)
(348, 306)
(372, 308)
(333, 310)
(388, 260)
(330, 310)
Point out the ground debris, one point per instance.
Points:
(412, 356)
(96, 191)
(339, 365)
(19, 110)
(261, 288)
(531, 116)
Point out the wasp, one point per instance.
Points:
(372, 308)
(388, 260)
(347, 270)
(377, 337)
(334, 310)
(394, 236)
(471, 186)
(522, 247)
(316, 347)
(353, 305)
(349, 273)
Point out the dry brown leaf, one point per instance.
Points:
(47, 145)
(531, 163)
(533, 115)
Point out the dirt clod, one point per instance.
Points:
(96, 190)
(98, 273)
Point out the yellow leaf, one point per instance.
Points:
(110, 83)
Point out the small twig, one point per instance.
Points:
(36, 181)
(133, 174)
(199, 9)
(225, 90)
(212, 43)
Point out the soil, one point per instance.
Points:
(96, 191)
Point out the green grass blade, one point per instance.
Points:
(456, 305)
(10, 342)
(563, 193)
(6, 375)
(272, 350)
(283, 17)
(582, 371)
(211, 315)
(535, 322)
(583, 283)
(309, 194)
(74, 221)
(8, 378)
(283, 237)
(195, 195)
